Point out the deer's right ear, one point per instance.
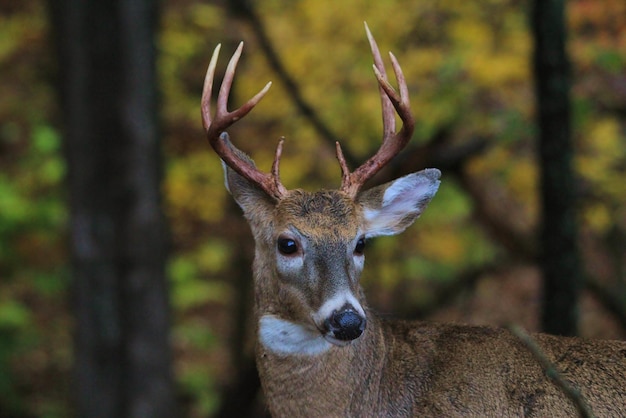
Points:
(392, 207)
(252, 200)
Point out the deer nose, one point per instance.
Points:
(346, 324)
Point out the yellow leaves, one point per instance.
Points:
(524, 180)
(489, 70)
(194, 187)
(491, 58)
(602, 154)
(444, 234)
(598, 217)
(511, 179)
(424, 61)
(518, 171)
(388, 275)
(604, 139)
(603, 151)
(442, 244)
(207, 16)
(19, 30)
(472, 36)
(188, 33)
(489, 162)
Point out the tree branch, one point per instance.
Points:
(245, 10)
(552, 372)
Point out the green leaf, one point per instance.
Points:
(46, 139)
(13, 315)
(611, 61)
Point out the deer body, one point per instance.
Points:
(413, 369)
(322, 353)
(402, 368)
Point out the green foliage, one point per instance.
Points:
(468, 68)
(188, 273)
(198, 381)
(13, 318)
(467, 65)
(13, 315)
(33, 262)
(195, 371)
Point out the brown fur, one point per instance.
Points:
(398, 368)
(419, 369)
(324, 215)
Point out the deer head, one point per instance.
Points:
(310, 245)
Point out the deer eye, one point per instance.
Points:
(287, 246)
(360, 246)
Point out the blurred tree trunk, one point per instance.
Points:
(559, 254)
(117, 229)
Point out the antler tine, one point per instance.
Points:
(215, 127)
(393, 142)
(207, 89)
(389, 120)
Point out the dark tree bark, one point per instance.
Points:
(559, 254)
(117, 228)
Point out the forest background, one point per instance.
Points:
(472, 257)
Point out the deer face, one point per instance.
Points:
(319, 257)
(310, 255)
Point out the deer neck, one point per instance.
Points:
(353, 372)
(302, 365)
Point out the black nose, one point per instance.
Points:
(346, 324)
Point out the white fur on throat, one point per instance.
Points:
(287, 338)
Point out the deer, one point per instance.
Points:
(322, 352)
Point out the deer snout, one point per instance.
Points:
(345, 324)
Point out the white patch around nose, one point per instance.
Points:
(288, 338)
(335, 303)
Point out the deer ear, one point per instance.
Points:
(392, 207)
(252, 200)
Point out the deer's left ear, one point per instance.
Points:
(392, 207)
(255, 203)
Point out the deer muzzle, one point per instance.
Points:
(344, 325)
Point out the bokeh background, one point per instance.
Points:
(472, 257)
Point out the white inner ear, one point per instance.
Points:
(225, 169)
(405, 197)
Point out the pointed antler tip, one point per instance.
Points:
(215, 126)
(393, 142)
(370, 37)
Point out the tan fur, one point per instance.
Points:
(412, 369)
(322, 215)
(417, 369)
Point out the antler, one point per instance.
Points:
(392, 142)
(215, 128)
